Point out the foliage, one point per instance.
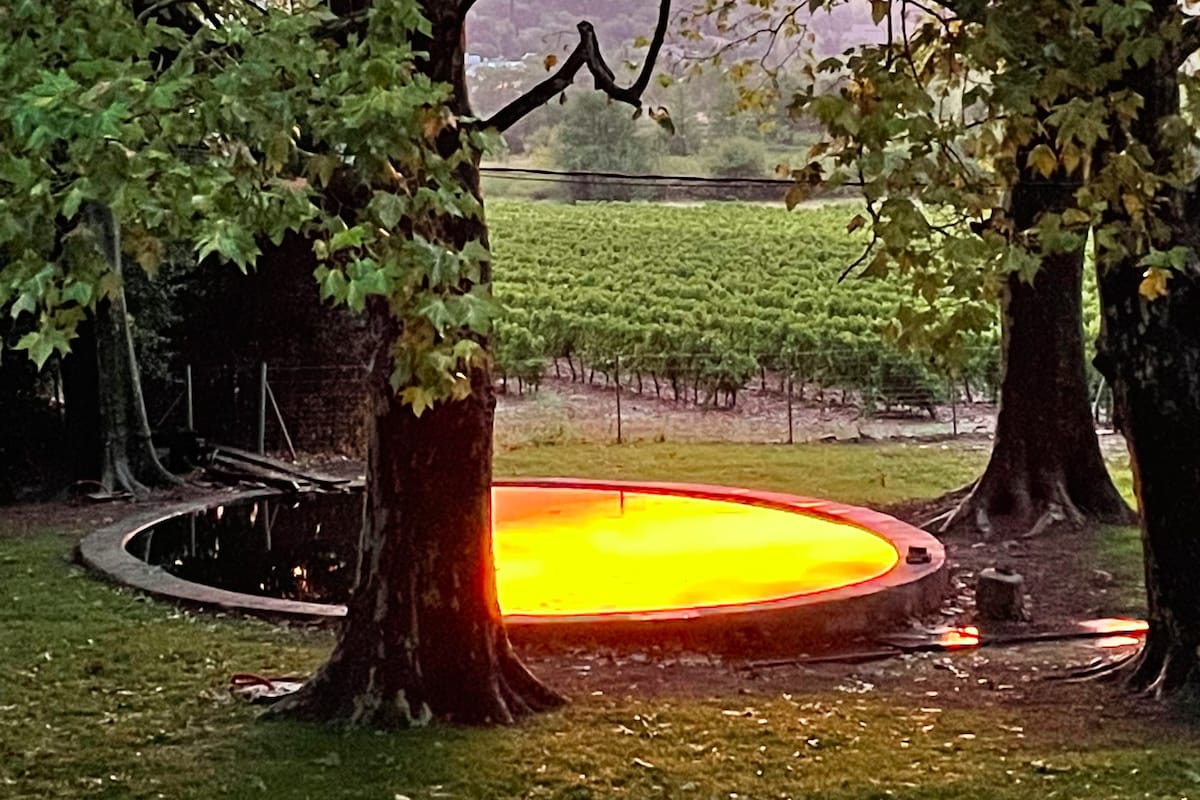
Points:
(708, 296)
(960, 105)
(737, 157)
(597, 135)
(225, 136)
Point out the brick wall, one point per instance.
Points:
(315, 355)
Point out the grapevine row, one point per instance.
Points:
(702, 300)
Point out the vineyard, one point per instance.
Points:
(695, 302)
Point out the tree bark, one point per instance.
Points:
(120, 429)
(1150, 354)
(423, 637)
(1046, 466)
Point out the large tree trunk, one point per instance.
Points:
(423, 637)
(1150, 353)
(1046, 466)
(1153, 352)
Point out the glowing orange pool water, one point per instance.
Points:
(577, 551)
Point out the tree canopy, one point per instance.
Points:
(225, 134)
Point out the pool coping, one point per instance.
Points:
(905, 591)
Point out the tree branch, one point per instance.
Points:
(1189, 41)
(167, 13)
(586, 54)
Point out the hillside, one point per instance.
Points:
(509, 29)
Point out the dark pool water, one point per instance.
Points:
(302, 547)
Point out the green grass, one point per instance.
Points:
(107, 694)
(862, 474)
(1119, 552)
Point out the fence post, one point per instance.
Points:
(1096, 404)
(191, 421)
(617, 375)
(953, 407)
(789, 405)
(262, 408)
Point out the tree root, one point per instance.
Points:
(971, 506)
(1156, 671)
(976, 513)
(1163, 667)
(1105, 670)
(956, 498)
(355, 696)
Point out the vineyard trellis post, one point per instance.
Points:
(953, 394)
(790, 439)
(617, 380)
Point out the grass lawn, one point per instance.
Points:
(107, 694)
(858, 473)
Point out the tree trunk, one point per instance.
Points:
(1045, 466)
(1153, 349)
(1150, 354)
(423, 637)
(127, 459)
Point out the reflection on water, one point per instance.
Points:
(558, 551)
(298, 548)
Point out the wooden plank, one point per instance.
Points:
(227, 467)
(274, 464)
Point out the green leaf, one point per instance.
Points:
(78, 292)
(333, 284)
(419, 398)
(75, 198)
(390, 208)
(349, 238)
(39, 347)
(26, 301)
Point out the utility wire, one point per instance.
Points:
(650, 179)
(550, 175)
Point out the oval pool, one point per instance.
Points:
(573, 552)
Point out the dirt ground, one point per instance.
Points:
(562, 411)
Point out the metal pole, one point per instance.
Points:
(617, 372)
(789, 404)
(262, 409)
(282, 425)
(191, 420)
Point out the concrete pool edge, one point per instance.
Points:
(903, 592)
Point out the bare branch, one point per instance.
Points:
(586, 54)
